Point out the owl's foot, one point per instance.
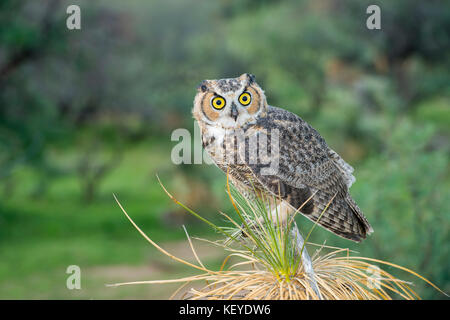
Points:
(242, 232)
(255, 227)
(250, 224)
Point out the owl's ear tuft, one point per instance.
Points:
(251, 78)
(203, 86)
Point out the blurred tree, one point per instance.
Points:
(27, 118)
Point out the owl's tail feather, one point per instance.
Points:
(342, 217)
(359, 215)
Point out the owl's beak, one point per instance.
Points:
(234, 111)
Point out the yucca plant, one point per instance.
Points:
(273, 262)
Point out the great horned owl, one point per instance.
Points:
(306, 168)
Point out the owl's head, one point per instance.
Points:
(229, 103)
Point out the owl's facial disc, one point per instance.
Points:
(229, 103)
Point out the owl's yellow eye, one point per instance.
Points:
(218, 103)
(245, 98)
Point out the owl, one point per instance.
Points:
(295, 166)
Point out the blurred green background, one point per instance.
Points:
(88, 113)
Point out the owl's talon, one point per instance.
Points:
(243, 233)
(251, 225)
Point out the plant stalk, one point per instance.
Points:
(305, 258)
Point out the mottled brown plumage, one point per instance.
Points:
(305, 165)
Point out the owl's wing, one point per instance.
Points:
(345, 169)
(303, 167)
